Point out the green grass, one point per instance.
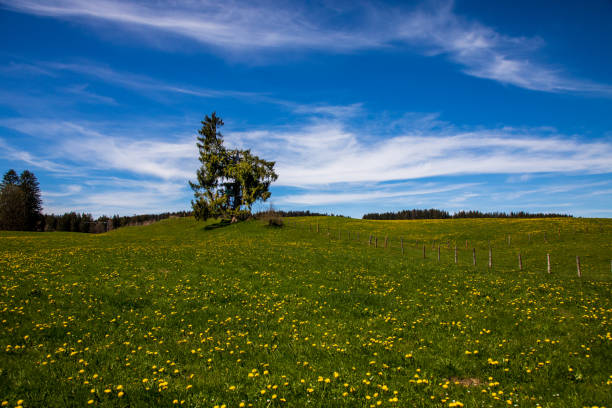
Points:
(181, 312)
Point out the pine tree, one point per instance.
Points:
(10, 178)
(12, 202)
(12, 208)
(229, 180)
(33, 203)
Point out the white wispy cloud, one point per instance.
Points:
(485, 53)
(91, 147)
(244, 29)
(327, 161)
(68, 190)
(108, 201)
(234, 25)
(141, 83)
(371, 193)
(325, 152)
(86, 95)
(11, 153)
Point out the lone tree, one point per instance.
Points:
(229, 180)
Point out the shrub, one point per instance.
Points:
(271, 217)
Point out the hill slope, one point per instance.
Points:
(205, 315)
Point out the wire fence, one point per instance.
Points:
(577, 253)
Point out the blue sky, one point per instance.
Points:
(365, 106)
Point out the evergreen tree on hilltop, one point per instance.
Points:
(229, 180)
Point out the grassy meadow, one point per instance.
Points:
(182, 313)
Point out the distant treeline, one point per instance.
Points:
(301, 214)
(75, 222)
(434, 214)
(282, 213)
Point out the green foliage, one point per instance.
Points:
(13, 213)
(10, 178)
(229, 180)
(214, 317)
(271, 217)
(33, 203)
(435, 214)
(20, 210)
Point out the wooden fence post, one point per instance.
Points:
(317, 227)
(370, 240)
(438, 253)
(386, 237)
(455, 253)
(402, 245)
(548, 262)
(490, 258)
(509, 240)
(466, 246)
(474, 256)
(375, 242)
(520, 262)
(578, 266)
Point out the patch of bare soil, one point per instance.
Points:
(466, 382)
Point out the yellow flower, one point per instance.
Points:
(90, 402)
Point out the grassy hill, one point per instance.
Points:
(203, 315)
